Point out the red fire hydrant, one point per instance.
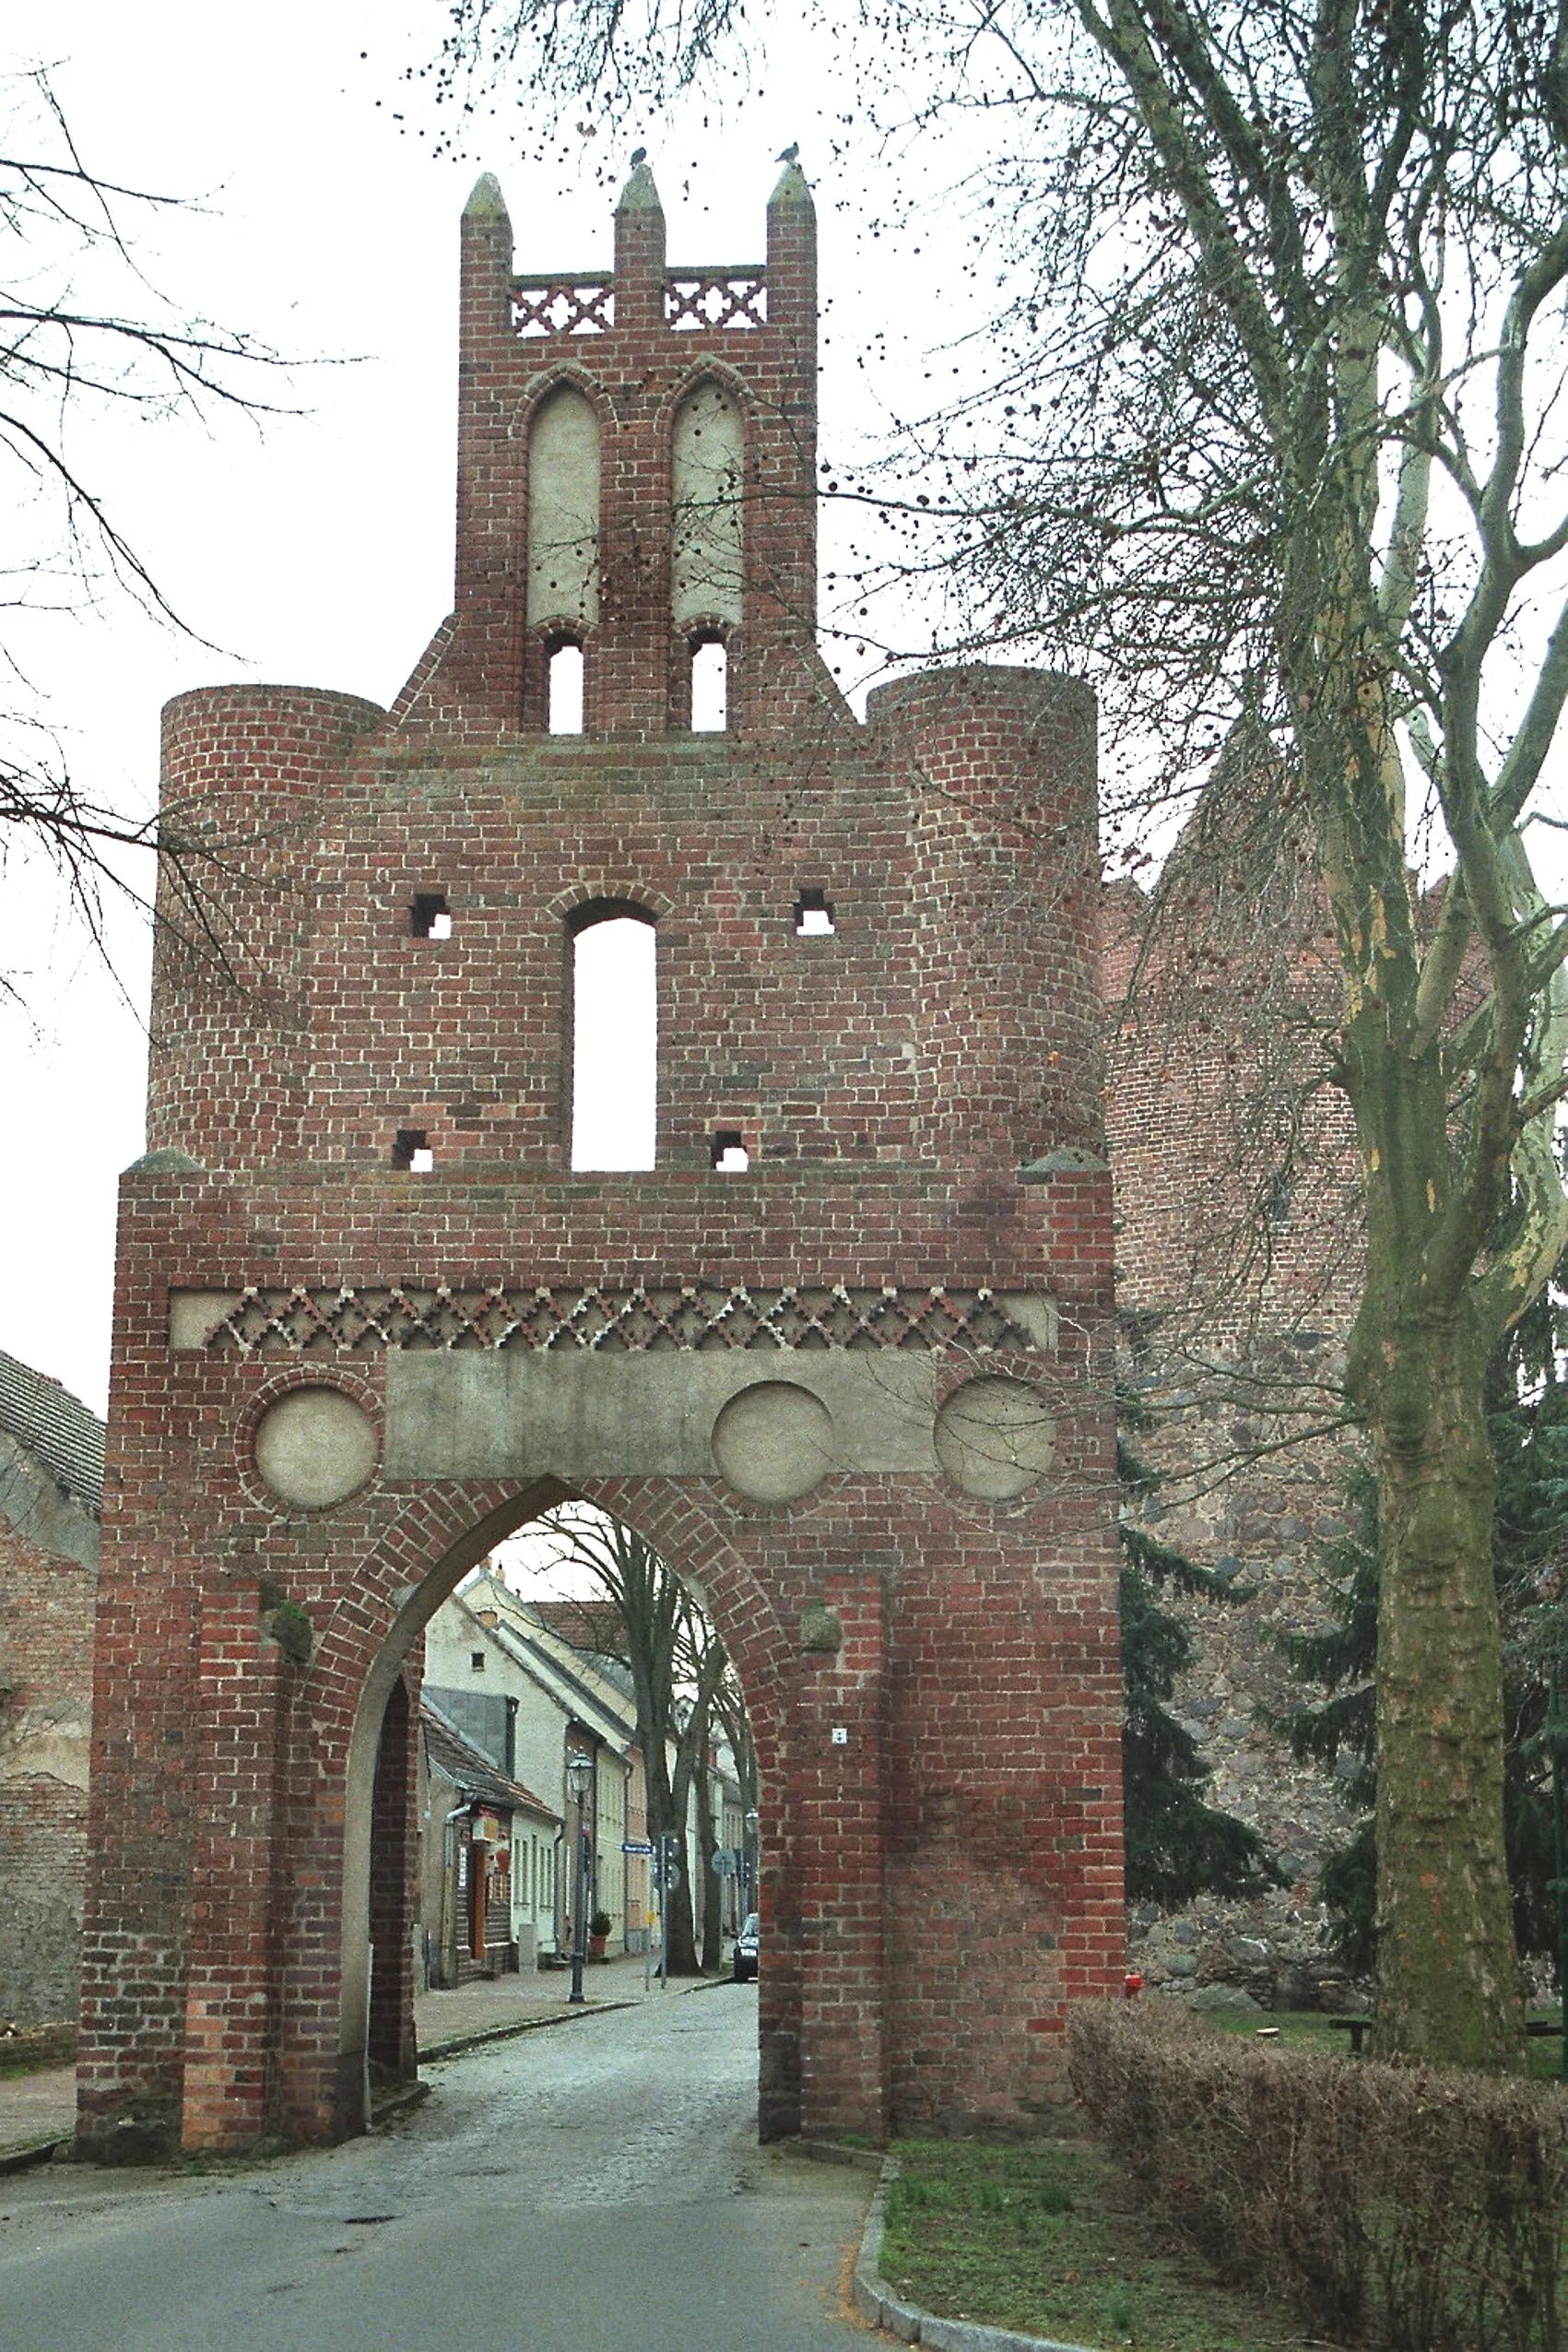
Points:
(1132, 1985)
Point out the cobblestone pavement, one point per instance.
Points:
(521, 2000)
(44, 2105)
(561, 2192)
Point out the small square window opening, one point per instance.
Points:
(429, 917)
(730, 1156)
(813, 914)
(477, 1661)
(410, 1150)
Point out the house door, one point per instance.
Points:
(478, 1857)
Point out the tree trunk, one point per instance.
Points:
(667, 1812)
(1448, 1987)
(682, 1938)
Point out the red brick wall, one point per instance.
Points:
(935, 1888)
(394, 1894)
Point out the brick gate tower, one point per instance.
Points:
(841, 1353)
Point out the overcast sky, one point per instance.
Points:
(319, 551)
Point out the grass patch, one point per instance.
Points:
(1310, 2030)
(1298, 2028)
(1048, 2240)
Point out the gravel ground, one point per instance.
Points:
(596, 2186)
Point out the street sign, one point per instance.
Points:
(636, 1846)
(727, 1861)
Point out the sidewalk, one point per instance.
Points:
(503, 2004)
(42, 2106)
(35, 2108)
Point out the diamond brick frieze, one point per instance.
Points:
(362, 1320)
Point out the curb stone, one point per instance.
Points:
(39, 2152)
(876, 2301)
(458, 2043)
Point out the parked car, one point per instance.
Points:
(746, 1948)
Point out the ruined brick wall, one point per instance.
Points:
(47, 1585)
(1238, 1223)
(344, 1382)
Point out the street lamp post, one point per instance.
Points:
(748, 1867)
(580, 1779)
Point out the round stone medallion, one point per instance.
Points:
(994, 1439)
(315, 1446)
(773, 1441)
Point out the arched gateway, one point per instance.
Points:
(842, 1354)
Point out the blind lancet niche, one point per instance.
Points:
(563, 546)
(707, 473)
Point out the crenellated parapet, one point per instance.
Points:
(999, 767)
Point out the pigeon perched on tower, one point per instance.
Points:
(791, 154)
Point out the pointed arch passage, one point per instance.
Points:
(614, 1037)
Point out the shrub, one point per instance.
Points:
(1423, 2209)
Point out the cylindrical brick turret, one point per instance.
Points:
(246, 770)
(1002, 952)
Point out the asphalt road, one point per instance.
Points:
(596, 2188)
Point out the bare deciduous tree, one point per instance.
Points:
(678, 1667)
(85, 337)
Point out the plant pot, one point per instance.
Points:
(596, 1946)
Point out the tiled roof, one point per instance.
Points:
(592, 1625)
(56, 1427)
(463, 1762)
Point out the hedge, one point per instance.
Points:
(1420, 2210)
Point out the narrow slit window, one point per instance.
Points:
(430, 916)
(615, 1038)
(566, 690)
(813, 914)
(730, 1154)
(411, 1151)
(710, 688)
